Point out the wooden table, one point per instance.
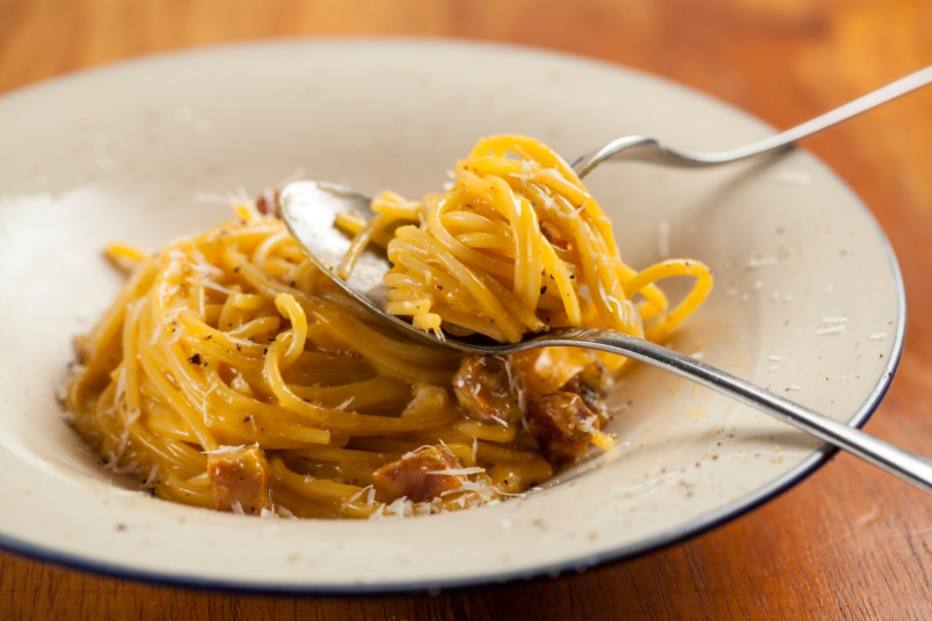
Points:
(848, 543)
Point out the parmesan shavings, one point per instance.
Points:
(207, 283)
(877, 336)
(177, 333)
(457, 472)
(206, 397)
(344, 405)
(153, 475)
(285, 513)
(201, 266)
(224, 448)
(500, 421)
(132, 416)
(359, 494)
(836, 329)
(120, 391)
(155, 335)
(587, 425)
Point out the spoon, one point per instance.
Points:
(310, 209)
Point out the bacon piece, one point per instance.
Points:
(564, 425)
(545, 370)
(487, 387)
(240, 477)
(592, 384)
(267, 202)
(411, 475)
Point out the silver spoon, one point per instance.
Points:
(310, 208)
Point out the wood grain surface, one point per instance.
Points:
(849, 542)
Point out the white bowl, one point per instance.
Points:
(122, 153)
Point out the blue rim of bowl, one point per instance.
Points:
(694, 527)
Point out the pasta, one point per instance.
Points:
(517, 245)
(231, 374)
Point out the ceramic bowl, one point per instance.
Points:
(136, 152)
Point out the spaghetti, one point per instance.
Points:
(231, 374)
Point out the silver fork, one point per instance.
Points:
(310, 208)
(647, 149)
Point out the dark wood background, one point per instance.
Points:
(848, 543)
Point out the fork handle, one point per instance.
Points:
(642, 148)
(903, 464)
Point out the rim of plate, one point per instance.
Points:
(694, 527)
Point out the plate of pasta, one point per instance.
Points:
(187, 398)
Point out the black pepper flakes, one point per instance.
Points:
(195, 358)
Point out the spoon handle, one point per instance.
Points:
(903, 464)
(648, 149)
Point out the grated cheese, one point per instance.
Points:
(877, 336)
(176, 335)
(120, 390)
(133, 416)
(458, 471)
(837, 329)
(153, 474)
(499, 420)
(225, 448)
(207, 283)
(206, 397)
(587, 425)
(359, 494)
(155, 335)
(345, 404)
(285, 513)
